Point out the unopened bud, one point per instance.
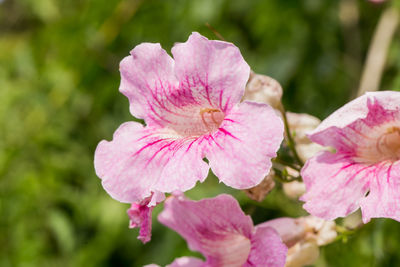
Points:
(263, 89)
(353, 221)
(302, 254)
(300, 125)
(294, 189)
(318, 230)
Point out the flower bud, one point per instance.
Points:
(353, 221)
(294, 189)
(263, 89)
(302, 254)
(300, 124)
(318, 230)
(303, 236)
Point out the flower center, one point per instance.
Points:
(194, 122)
(211, 118)
(384, 147)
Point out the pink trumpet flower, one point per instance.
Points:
(365, 170)
(191, 108)
(218, 228)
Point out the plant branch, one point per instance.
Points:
(283, 162)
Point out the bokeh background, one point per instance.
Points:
(59, 97)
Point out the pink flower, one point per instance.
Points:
(219, 229)
(191, 108)
(365, 170)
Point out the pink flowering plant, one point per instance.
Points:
(364, 170)
(204, 109)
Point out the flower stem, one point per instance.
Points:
(283, 162)
(285, 178)
(289, 138)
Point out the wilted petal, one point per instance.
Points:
(335, 185)
(216, 227)
(140, 216)
(240, 152)
(214, 71)
(139, 161)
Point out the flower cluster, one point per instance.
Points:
(199, 115)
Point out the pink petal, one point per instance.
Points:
(267, 249)
(214, 71)
(187, 262)
(146, 75)
(156, 198)
(216, 227)
(357, 109)
(289, 229)
(335, 185)
(184, 167)
(240, 152)
(383, 199)
(140, 161)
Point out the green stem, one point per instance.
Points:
(283, 162)
(289, 138)
(281, 177)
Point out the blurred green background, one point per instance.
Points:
(59, 97)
